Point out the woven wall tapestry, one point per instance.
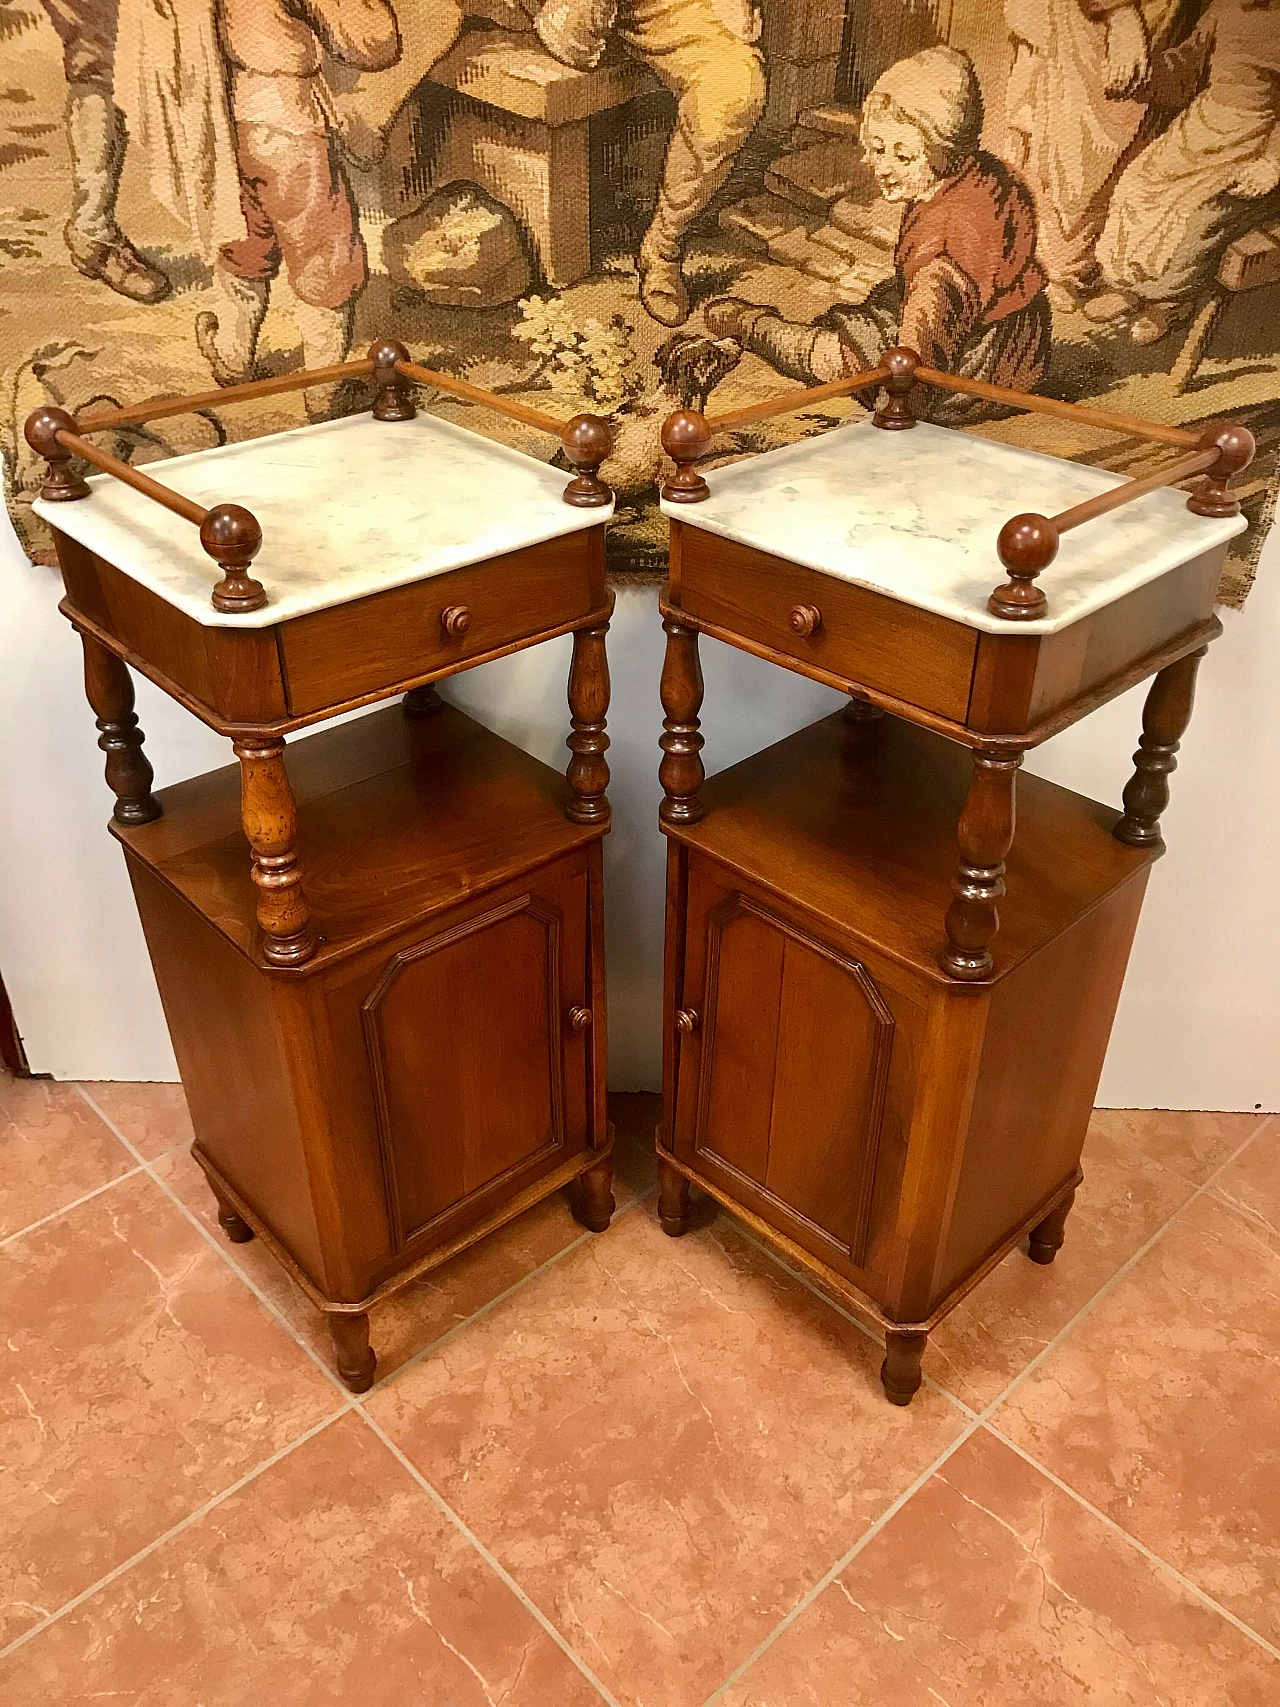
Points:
(622, 205)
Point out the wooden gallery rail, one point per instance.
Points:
(1027, 543)
(229, 533)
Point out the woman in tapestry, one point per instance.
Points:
(968, 292)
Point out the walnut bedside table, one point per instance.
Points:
(382, 966)
(886, 1077)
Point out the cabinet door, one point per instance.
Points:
(479, 1077)
(783, 1079)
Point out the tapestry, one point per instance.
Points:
(627, 205)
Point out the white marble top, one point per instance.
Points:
(916, 515)
(347, 508)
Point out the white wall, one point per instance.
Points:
(1196, 1027)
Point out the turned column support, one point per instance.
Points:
(108, 687)
(352, 1354)
(681, 773)
(588, 771)
(901, 1373)
(270, 818)
(985, 834)
(673, 1200)
(1047, 1235)
(1165, 717)
(593, 1201)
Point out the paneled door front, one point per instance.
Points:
(785, 1049)
(477, 1039)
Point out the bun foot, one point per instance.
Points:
(1047, 1236)
(900, 1373)
(594, 1203)
(673, 1200)
(353, 1355)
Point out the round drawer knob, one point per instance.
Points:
(805, 620)
(455, 620)
(686, 1020)
(580, 1018)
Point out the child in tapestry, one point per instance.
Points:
(968, 292)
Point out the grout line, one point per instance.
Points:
(516, 1286)
(351, 1403)
(63, 1209)
(446, 1510)
(1131, 1262)
(177, 1529)
(980, 1419)
(864, 1540)
(1152, 1558)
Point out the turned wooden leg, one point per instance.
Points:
(588, 771)
(673, 1200)
(593, 1204)
(900, 1373)
(233, 1225)
(109, 689)
(1164, 722)
(985, 834)
(681, 773)
(861, 711)
(422, 702)
(1046, 1236)
(270, 818)
(353, 1356)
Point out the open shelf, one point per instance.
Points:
(860, 818)
(398, 818)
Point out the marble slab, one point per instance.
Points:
(347, 508)
(916, 515)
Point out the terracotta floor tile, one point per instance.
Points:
(53, 1149)
(138, 1378)
(1160, 1408)
(1139, 1168)
(408, 1322)
(331, 1578)
(153, 1117)
(992, 1588)
(1251, 1184)
(666, 1443)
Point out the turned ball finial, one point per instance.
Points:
(392, 399)
(895, 413)
(232, 537)
(1235, 447)
(43, 425)
(686, 438)
(586, 441)
(1027, 544)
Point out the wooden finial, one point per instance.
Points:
(61, 482)
(232, 537)
(1027, 544)
(1235, 447)
(586, 441)
(686, 438)
(392, 398)
(895, 414)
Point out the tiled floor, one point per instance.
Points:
(627, 1469)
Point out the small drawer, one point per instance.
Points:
(336, 655)
(849, 632)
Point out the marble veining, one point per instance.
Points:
(347, 508)
(916, 515)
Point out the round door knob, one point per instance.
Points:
(805, 620)
(686, 1020)
(580, 1018)
(455, 620)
